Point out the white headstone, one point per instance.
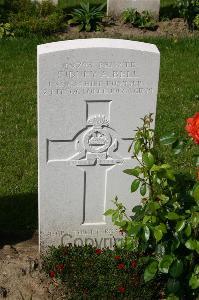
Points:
(116, 7)
(91, 96)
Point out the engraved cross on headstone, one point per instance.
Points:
(96, 148)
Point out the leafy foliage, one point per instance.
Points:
(89, 273)
(196, 22)
(188, 9)
(28, 17)
(5, 31)
(140, 20)
(164, 228)
(88, 18)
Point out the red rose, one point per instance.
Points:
(60, 267)
(98, 251)
(121, 289)
(117, 257)
(52, 274)
(134, 264)
(192, 127)
(121, 266)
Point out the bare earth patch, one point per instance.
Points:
(20, 273)
(175, 28)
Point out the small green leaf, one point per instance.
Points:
(158, 234)
(176, 268)
(172, 216)
(196, 191)
(194, 220)
(194, 282)
(135, 185)
(137, 208)
(146, 219)
(162, 227)
(150, 271)
(146, 233)
(168, 139)
(191, 244)
(143, 189)
(148, 159)
(134, 172)
(180, 225)
(188, 230)
(165, 263)
(137, 147)
(109, 212)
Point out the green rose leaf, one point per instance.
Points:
(165, 263)
(194, 282)
(135, 185)
(150, 271)
(176, 268)
(158, 234)
(191, 244)
(148, 159)
(180, 225)
(187, 230)
(109, 212)
(172, 216)
(134, 172)
(137, 208)
(143, 189)
(146, 233)
(137, 147)
(168, 139)
(196, 191)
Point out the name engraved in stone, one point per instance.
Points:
(95, 78)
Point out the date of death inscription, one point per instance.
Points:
(92, 78)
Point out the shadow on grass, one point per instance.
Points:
(169, 12)
(18, 218)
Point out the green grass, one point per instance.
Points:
(177, 100)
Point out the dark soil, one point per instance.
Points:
(175, 28)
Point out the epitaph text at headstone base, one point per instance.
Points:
(116, 7)
(91, 96)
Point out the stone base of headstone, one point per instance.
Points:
(116, 7)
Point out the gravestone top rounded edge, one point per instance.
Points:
(96, 43)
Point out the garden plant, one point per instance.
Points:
(164, 227)
(140, 20)
(88, 18)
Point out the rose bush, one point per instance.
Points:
(164, 227)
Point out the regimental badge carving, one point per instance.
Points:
(97, 139)
(96, 145)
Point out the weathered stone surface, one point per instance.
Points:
(91, 96)
(116, 7)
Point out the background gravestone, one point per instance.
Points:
(91, 96)
(116, 7)
(53, 1)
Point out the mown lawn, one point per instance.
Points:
(178, 99)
